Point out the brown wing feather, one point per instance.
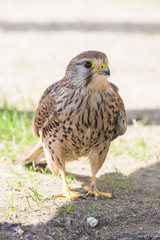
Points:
(121, 122)
(119, 99)
(46, 108)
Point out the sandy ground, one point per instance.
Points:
(133, 214)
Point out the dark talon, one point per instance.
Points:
(79, 197)
(48, 198)
(97, 198)
(75, 198)
(88, 194)
(113, 196)
(82, 197)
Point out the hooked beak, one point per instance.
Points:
(106, 71)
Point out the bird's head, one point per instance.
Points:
(88, 69)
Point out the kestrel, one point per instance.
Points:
(79, 116)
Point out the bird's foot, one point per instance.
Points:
(67, 193)
(96, 193)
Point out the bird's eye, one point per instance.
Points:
(87, 64)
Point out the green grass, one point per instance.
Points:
(102, 237)
(120, 182)
(67, 208)
(15, 126)
(155, 202)
(61, 234)
(15, 133)
(94, 210)
(117, 183)
(138, 148)
(70, 177)
(10, 209)
(112, 212)
(21, 185)
(33, 195)
(33, 169)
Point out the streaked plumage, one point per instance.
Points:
(79, 116)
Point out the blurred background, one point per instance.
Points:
(38, 38)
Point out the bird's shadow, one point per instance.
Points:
(109, 182)
(134, 212)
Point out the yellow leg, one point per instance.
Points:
(66, 191)
(94, 191)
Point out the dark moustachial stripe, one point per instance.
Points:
(88, 80)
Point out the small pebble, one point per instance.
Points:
(20, 232)
(92, 221)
